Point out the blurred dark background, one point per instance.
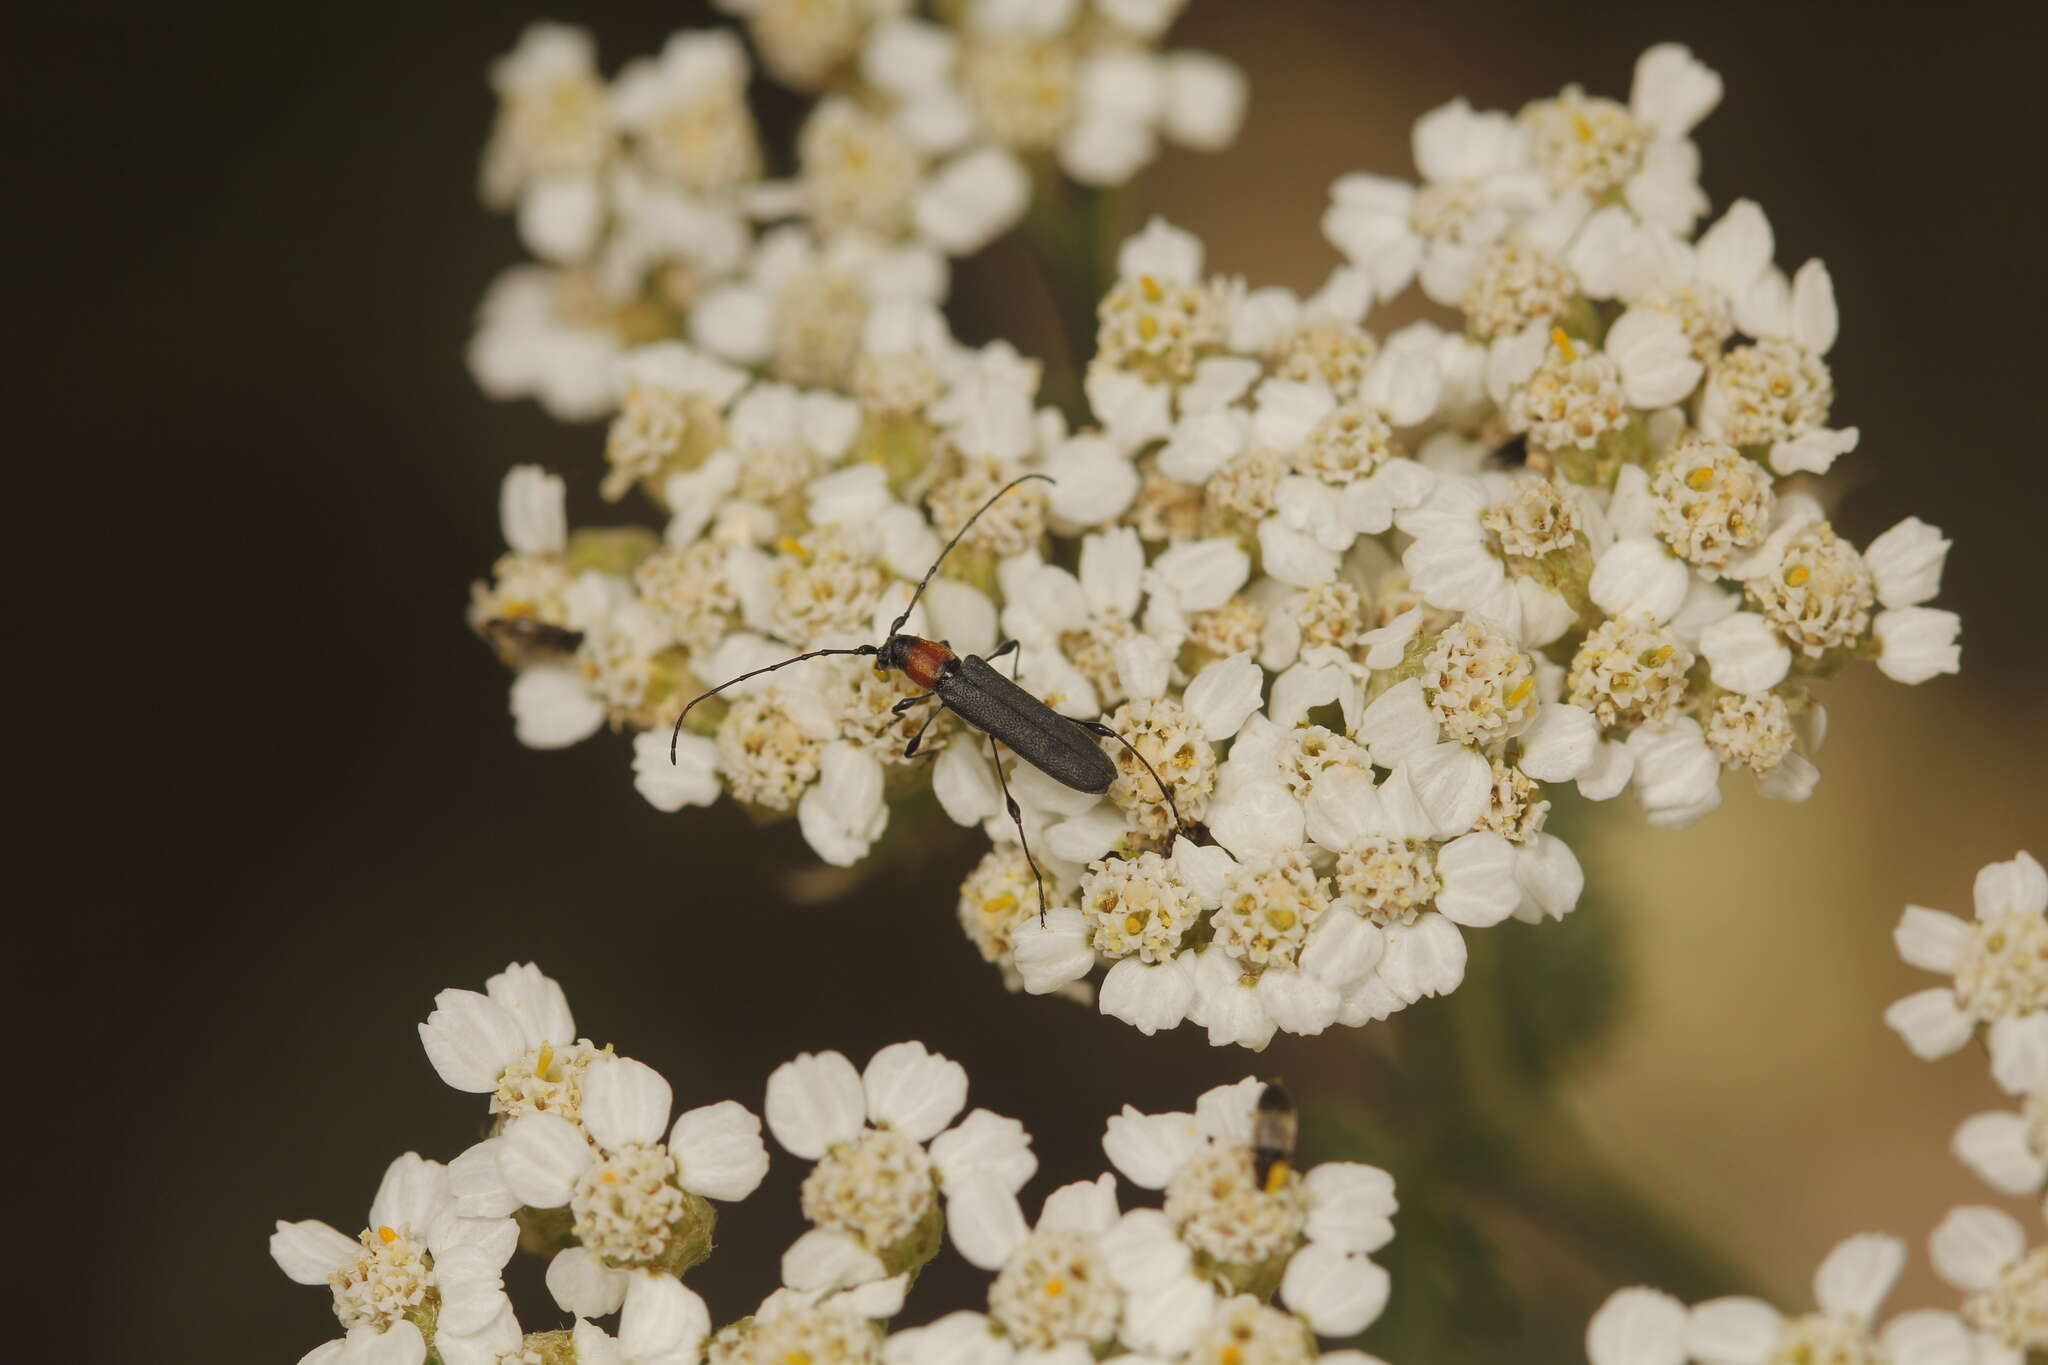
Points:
(281, 805)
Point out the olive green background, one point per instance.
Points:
(275, 802)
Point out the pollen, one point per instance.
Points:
(1521, 692)
(389, 1235)
(1582, 127)
(999, 905)
(1700, 479)
(1055, 1287)
(1276, 1178)
(1564, 344)
(543, 1060)
(1148, 327)
(1134, 924)
(1150, 285)
(789, 545)
(1797, 575)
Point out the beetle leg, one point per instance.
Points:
(1017, 819)
(910, 749)
(920, 699)
(1096, 727)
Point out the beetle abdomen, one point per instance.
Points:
(1041, 736)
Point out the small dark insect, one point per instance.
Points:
(517, 637)
(1061, 747)
(1273, 1128)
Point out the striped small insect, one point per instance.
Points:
(1061, 747)
(1274, 1124)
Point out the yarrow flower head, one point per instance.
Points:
(1308, 1234)
(1343, 607)
(885, 1158)
(1999, 966)
(1638, 1325)
(420, 1277)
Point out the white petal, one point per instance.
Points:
(1673, 90)
(552, 709)
(1613, 765)
(1224, 694)
(829, 1258)
(914, 1091)
(1201, 574)
(1339, 1295)
(1814, 319)
(1294, 557)
(1165, 1320)
(625, 1103)
(470, 1039)
(1351, 1206)
(584, 1285)
(1973, 1244)
(1149, 1148)
(1929, 1337)
(1452, 784)
(477, 1186)
(1559, 742)
(1916, 643)
(971, 200)
(984, 1221)
(1297, 1002)
(1931, 940)
(814, 1101)
(413, 1193)
(559, 216)
(1398, 723)
(1858, 1273)
(1479, 887)
(984, 1144)
(1550, 878)
(1637, 1327)
(1733, 1331)
(541, 1157)
(1423, 958)
(1930, 1022)
(1906, 562)
(311, 1251)
(1812, 452)
(1257, 818)
(2019, 1051)
(1745, 653)
(718, 1150)
(1640, 577)
(1226, 1007)
(1147, 996)
(1342, 948)
(965, 784)
(2019, 883)
(1205, 100)
(844, 812)
(1996, 1147)
(531, 511)
(663, 1318)
(961, 1338)
(1054, 953)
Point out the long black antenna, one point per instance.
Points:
(926, 580)
(676, 735)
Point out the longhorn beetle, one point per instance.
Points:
(1059, 746)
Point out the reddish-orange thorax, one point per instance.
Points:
(925, 661)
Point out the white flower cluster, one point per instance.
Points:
(646, 200)
(2000, 970)
(1249, 1260)
(1359, 602)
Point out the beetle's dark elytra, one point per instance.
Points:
(1042, 737)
